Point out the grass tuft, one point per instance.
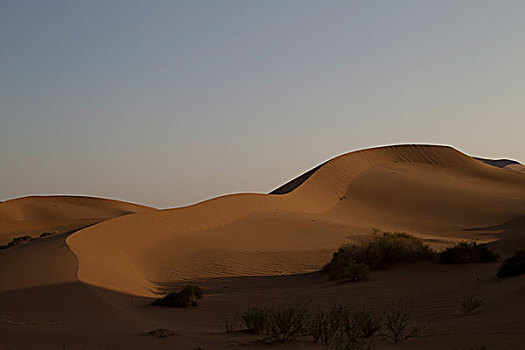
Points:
(471, 303)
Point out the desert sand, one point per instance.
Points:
(89, 284)
(36, 215)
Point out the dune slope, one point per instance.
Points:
(434, 192)
(35, 215)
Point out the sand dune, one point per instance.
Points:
(516, 167)
(90, 288)
(504, 163)
(434, 192)
(35, 215)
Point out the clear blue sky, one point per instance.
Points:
(171, 102)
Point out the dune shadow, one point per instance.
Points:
(512, 236)
(298, 181)
(217, 284)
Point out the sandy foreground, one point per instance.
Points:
(88, 285)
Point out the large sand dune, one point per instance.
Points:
(434, 192)
(94, 283)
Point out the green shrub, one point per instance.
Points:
(513, 266)
(325, 326)
(398, 324)
(467, 252)
(255, 318)
(471, 303)
(380, 251)
(189, 295)
(287, 321)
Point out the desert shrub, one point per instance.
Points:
(17, 241)
(286, 321)
(161, 333)
(175, 299)
(471, 303)
(348, 342)
(367, 323)
(386, 249)
(398, 325)
(467, 252)
(255, 318)
(189, 295)
(381, 250)
(350, 338)
(229, 322)
(325, 325)
(342, 268)
(513, 266)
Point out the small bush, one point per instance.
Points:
(380, 251)
(349, 339)
(161, 333)
(229, 323)
(287, 321)
(367, 323)
(343, 269)
(17, 241)
(513, 266)
(471, 303)
(398, 324)
(325, 326)
(344, 342)
(189, 295)
(255, 318)
(467, 252)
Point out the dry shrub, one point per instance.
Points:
(398, 324)
(189, 295)
(467, 252)
(377, 252)
(325, 325)
(471, 303)
(287, 321)
(255, 318)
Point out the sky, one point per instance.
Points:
(167, 103)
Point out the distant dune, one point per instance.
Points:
(516, 167)
(57, 214)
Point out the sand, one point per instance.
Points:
(91, 288)
(35, 215)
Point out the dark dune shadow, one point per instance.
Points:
(499, 163)
(215, 284)
(512, 235)
(298, 181)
